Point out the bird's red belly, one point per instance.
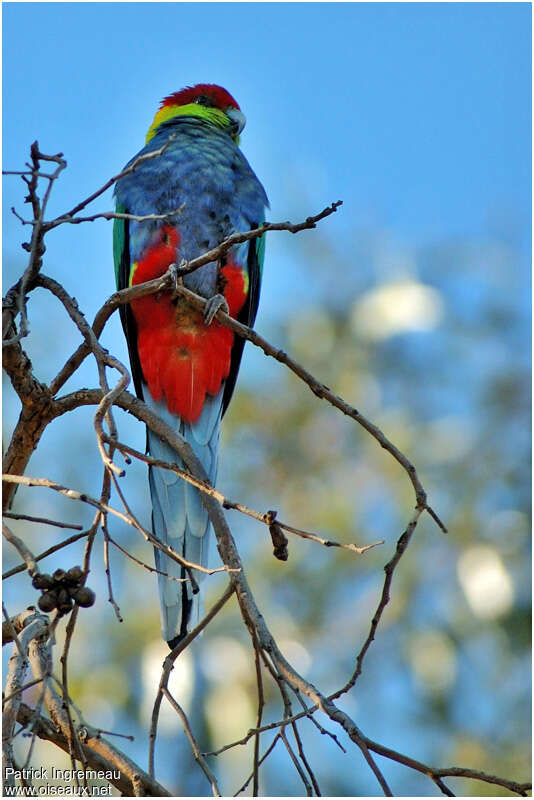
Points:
(182, 358)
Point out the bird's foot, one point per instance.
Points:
(176, 277)
(214, 304)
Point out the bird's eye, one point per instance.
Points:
(203, 100)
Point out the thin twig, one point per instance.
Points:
(453, 772)
(46, 553)
(168, 666)
(126, 171)
(143, 563)
(389, 569)
(261, 705)
(75, 748)
(111, 598)
(43, 521)
(23, 551)
(269, 750)
(115, 215)
(73, 494)
(199, 758)
(296, 763)
(266, 517)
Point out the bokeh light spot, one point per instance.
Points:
(486, 582)
(397, 308)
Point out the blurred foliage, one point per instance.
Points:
(430, 343)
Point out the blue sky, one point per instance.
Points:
(416, 115)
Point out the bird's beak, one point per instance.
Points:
(238, 120)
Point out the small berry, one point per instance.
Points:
(62, 597)
(74, 574)
(85, 597)
(44, 581)
(47, 602)
(65, 607)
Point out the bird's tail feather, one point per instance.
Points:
(179, 518)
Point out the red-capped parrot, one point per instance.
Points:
(184, 363)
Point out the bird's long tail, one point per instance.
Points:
(179, 518)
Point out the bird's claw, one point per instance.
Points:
(176, 277)
(173, 269)
(213, 305)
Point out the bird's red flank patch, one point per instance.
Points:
(182, 358)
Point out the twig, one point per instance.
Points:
(22, 689)
(261, 705)
(114, 215)
(24, 553)
(93, 743)
(126, 171)
(168, 666)
(43, 521)
(36, 625)
(75, 748)
(199, 758)
(103, 359)
(269, 750)
(453, 772)
(114, 733)
(354, 548)
(143, 563)
(310, 713)
(265, 517)
(321, 391)
(73, 494)
(46, 553)
(36, 246)
(111, 599)
(389, 569)
(304, 760)
(296, 764)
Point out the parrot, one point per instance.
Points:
(184, 363)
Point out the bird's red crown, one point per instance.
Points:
(210, 93)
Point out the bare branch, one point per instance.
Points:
(92, 741)
(116, 215)
(267, 517)
(46, 553)
(73, 494)
(168, 666)
(321, 391)
(389, 569)
(126, 171)
(16, 300)
(43, 521)
(199, 758)
(22, 549)
(111, 598)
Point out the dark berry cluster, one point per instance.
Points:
(62, 589)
